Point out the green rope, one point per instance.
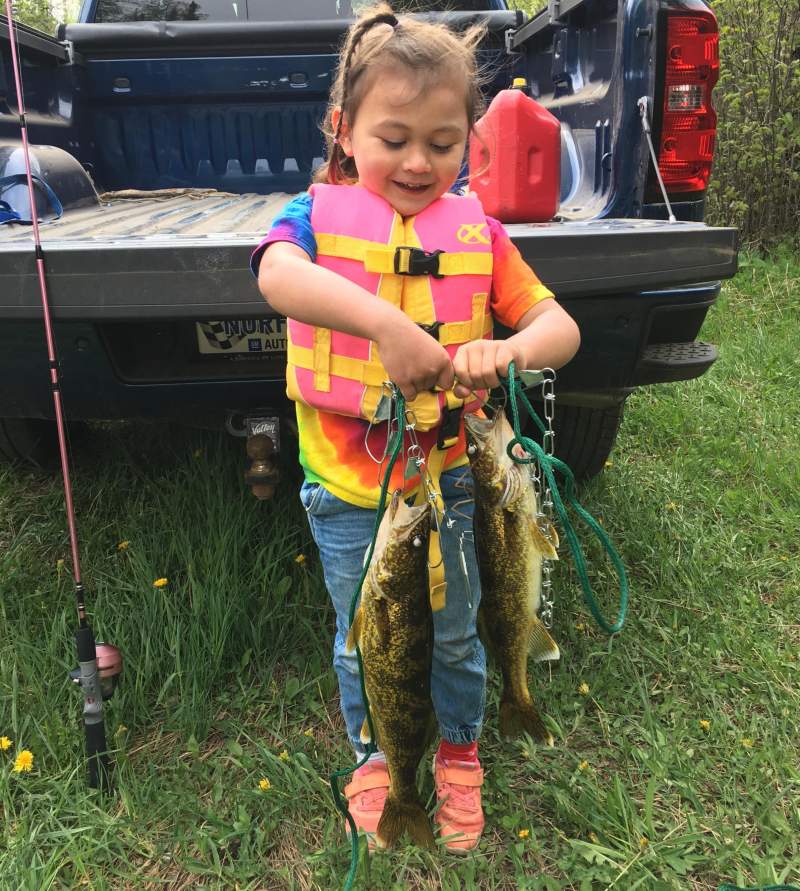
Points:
(548, 463)
(339, 801)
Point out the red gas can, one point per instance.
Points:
(515, 158)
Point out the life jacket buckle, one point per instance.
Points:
(449, 427)
(432, 329)
(416, 261)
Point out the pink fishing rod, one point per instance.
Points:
(99, 665)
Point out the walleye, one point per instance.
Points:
(393, 626)
(509, 545)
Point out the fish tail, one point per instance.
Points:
(517, 718)
(399, 817)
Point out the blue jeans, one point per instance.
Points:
(343, 532)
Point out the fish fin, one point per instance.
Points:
(514, 719)
(545, 539)
(365, 735)
(354, 634)
(542, 647)
(399, 817)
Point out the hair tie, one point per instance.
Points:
(387, 18)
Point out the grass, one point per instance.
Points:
(227, 678)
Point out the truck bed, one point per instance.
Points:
(184, 253)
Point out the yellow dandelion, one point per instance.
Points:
(747, 742)
(579, 626)
(525, 753)
(309, 733)
(643, 842)
(5, 743)
(524, 833)
(160, 583)
(264, 784)
(123, 545)
(593, 838)
(608, 464)
(23, 762)
(300, 558)
(59, 566)
(584, 689)
(671, 505)
(705, 725)
(584, 765)
(284, 755)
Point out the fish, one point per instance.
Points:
(511, 540)
(393, 627)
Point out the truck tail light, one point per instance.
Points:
(688, 121)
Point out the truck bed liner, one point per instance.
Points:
(184, 254)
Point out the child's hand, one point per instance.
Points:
(414, 361)
(480, 364)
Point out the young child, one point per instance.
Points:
(365, 308)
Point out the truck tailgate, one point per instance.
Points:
(185, 256)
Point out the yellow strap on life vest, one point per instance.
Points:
(379, 258)
(437, 585)
(372, 374)
(323, 364)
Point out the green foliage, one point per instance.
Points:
(756, 179)
(36, 13)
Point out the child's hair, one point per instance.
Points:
(381, 40)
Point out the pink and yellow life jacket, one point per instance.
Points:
(435, 266)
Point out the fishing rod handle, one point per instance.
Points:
(88, 678)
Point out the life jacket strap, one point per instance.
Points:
(403, 260)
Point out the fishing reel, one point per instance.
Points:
(109, 668)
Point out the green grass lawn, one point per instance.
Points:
(227, 678)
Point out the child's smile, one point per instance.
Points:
(408, 139)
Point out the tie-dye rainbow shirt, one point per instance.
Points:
(339, 452)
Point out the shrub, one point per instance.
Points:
(755, 184)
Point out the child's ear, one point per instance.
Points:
(344, 134)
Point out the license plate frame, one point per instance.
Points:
(242, 337)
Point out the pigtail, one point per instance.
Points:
(340, 168)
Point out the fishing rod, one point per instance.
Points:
(99, 664)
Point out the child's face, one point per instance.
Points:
(407, 143)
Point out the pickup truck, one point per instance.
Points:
(171, 131)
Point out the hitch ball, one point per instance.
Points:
(262, 475)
